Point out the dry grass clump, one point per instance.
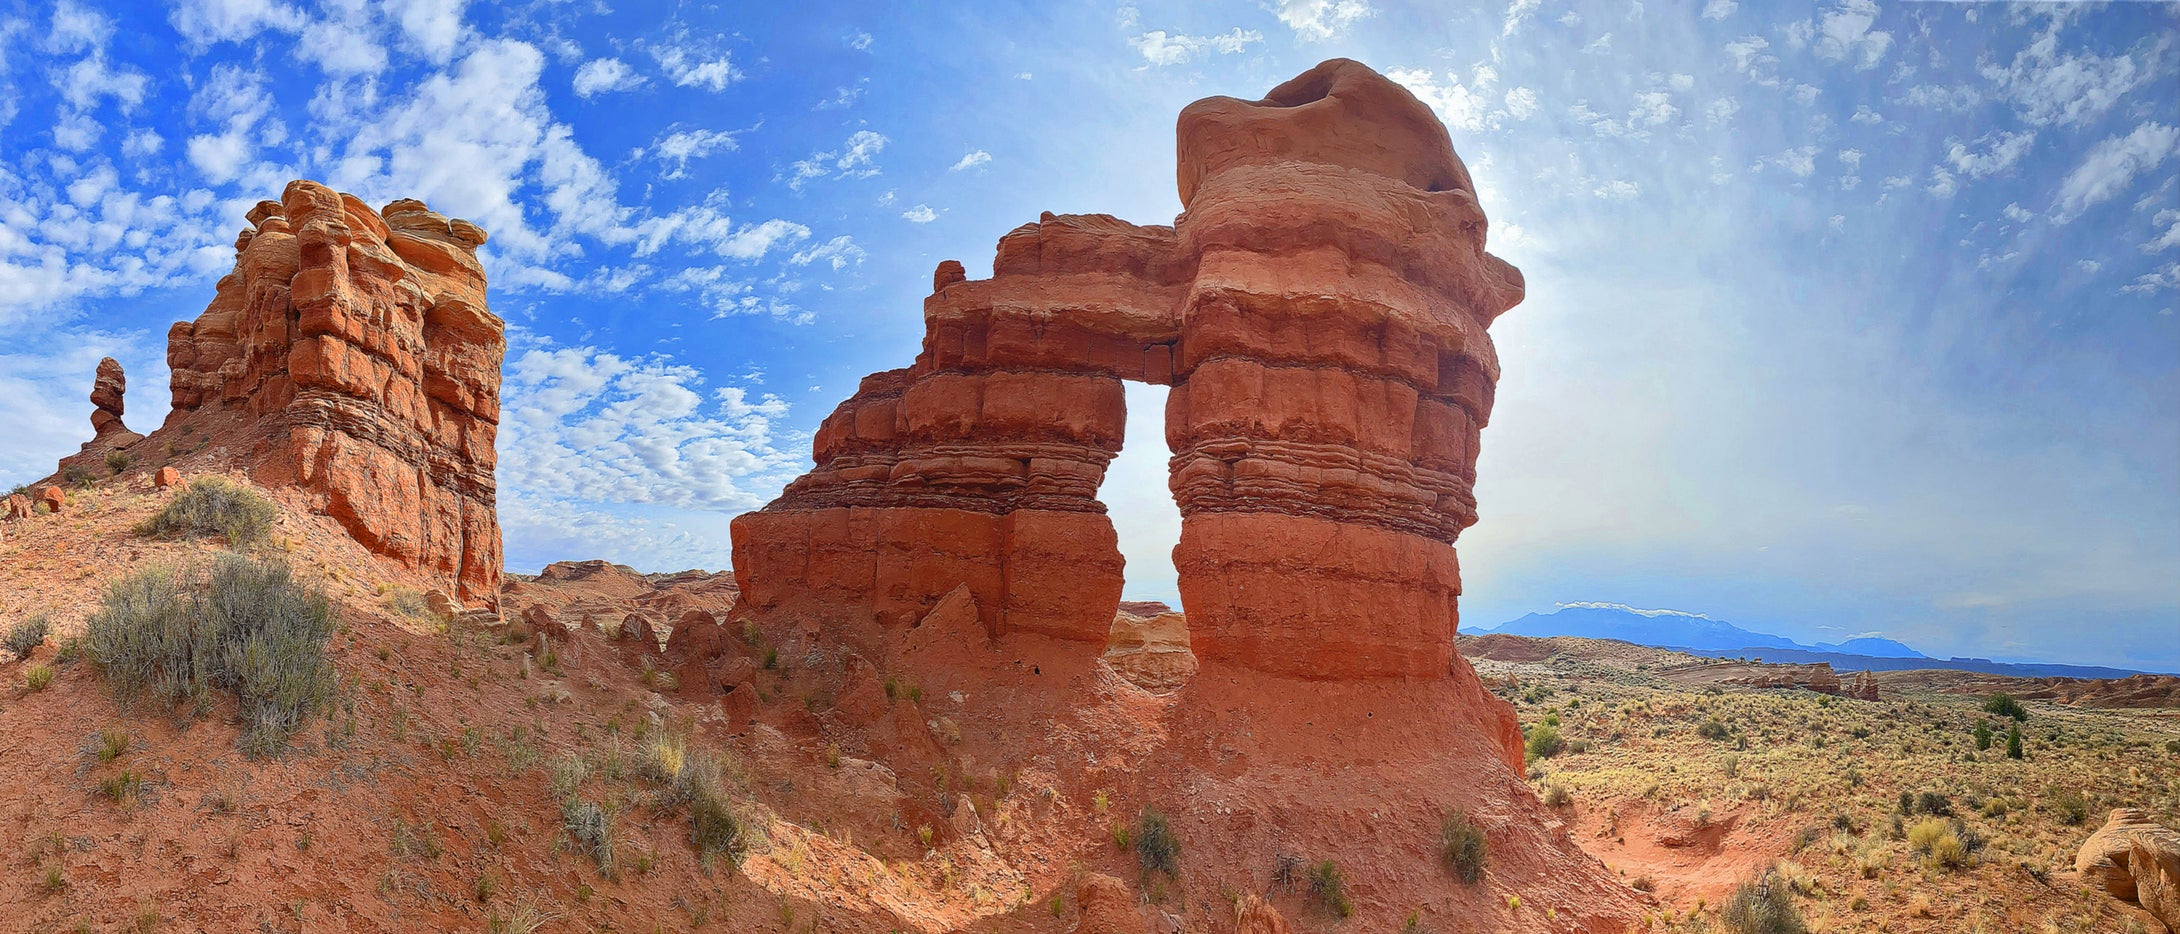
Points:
(214, 506)
(243, 626)
(1763, 906)
(1461, 844)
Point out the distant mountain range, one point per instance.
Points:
(1697, 634)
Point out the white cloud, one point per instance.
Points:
(585, 426)
(234, 99)
(142, 143)
(1618, 190)
(2015, 213)
(838, 252)
(2088, 265)
(1521, 103)
(752, 243)
(1942, 183)
(90, 80)
(2111, 166)
(692, 69)
(603, 75)
(1719, 9)
(1748, 52)
(678, 146)
(1800, 162)
(1318, 20)
(1851, 158)
(857, 158)
(2002, 150)
(1844, 33)
(1722, 110)
(1517, 13)
(859, 41)
(2158, 280)
(1864, 115)
(920, 214)
(346, 43)
(970, 161)
(75, 29)
(1160, 49)
(1602, 45)
(433, 26)
(204, 22)
(2170, 220)
(2047, 86)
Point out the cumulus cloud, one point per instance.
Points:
(1844, 33)
(1517, 13)
(1719, 9)
(972, 160)
(1318, 20)
(2050, 86)
(434, 27)
(1161, 49)
(204, 22)
(605, 75)
(234, 99)
(2111, 166)
(920, 214)
(2163, 279)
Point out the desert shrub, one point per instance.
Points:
(1933, 804)
(591, 828)
(243, 626)
(713, 827)
(1557, 796)
(117, 461)
(1155, 846)
(36, 677)
(1762, 906)
(1543, 741)
(1712, 729)
(214, 505)
(1328, 890)
(2013, 741)
(2173, 746)
(78, 475)
(1463, 847)
(1983, 735)
(2004, 705)
(407, 601)
(2071, 808)
(28, 634)
(1940, 841)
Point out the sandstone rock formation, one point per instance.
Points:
(1864, 687)
(52, 499)
(2135, 859)
(349, 356)
(106, 392)
(166, 478)
(1319, 310)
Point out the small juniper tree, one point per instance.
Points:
(1983, 735)
(2013, 741)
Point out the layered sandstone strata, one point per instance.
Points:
(1319, 310)
(107, 388)
(349, 356)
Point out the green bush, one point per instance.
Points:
(117, 461)
(214, 506)
(2013, 741)
(2071, 808)
(2005, 706)
(78, 475)
(1712, 729)
(1763, 906)
(1328, 890)
(28, 634)
(1543, 741)
(1155, 846)
(1983, 735)
(243, 626)
(1463, 847)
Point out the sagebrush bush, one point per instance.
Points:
(242, 626)
(1461, 844)
(28, 634)
(2005, 705)
(214, 506)
(1763, 906)
(1155, 846)
(117, 461)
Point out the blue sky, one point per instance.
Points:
(1843, 317)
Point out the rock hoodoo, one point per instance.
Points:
(107, 388)
(2135, 859)
(349, 356)
(1319, 310)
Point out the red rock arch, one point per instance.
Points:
(1319, 309)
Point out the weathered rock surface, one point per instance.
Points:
(1319, 309)
(1151, 653)
(2135, 859)
(349, 356)
(166, 478)
(1864, 687)
(52, 499)
(1107, 907)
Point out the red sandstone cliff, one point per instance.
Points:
(349, 356)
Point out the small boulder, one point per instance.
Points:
(168, 478)
(1256, 916)
(18, 507)
(739, 704)
(540, 620)
(435, 600)
(52, 499)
